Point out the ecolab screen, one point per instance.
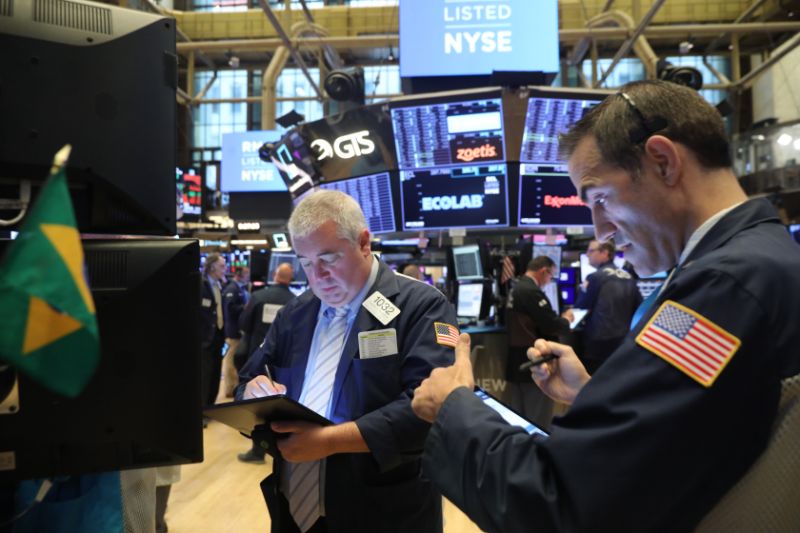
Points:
(448, 133)
(469, 196)
(469, 37)
(242, 170)
(548, 198)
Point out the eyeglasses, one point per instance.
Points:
(647, 126)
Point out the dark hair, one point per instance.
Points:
(210, 260)
(608, 247)
(541, 261)
(687, 119)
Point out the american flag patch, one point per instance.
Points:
(445, 334)
(689, 341)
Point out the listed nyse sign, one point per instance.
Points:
(474, 37)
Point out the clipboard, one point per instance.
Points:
(245, 415)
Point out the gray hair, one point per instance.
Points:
(322, 206)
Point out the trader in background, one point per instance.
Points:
(684, 407)
(254, 322)
(234, 297)
(531, 317)
(353, 349)
(212, 326)
(611, 296)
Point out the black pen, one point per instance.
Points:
(527, 364)
(269, 377)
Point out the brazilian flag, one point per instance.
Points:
(49, 328)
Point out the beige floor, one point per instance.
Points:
(222, 494)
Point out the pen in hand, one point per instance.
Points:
(528, 364)
(269, 377)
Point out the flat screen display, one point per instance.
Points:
(508, 414)
(452, 132)
(548, 198)
(467, 262)
(794, 229)
(464, 197)
(469, 300)
(354, 143)
(548, 117)
(189, 184)
(242, 169)
(463, 38)
(567, 294)
(374, 195)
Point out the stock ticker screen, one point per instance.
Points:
(189, 184)
(374, 195)
(446, 197)
(449, 133)
(545, 120)
(548, 198)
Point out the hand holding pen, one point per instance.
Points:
(263, 385)
(556, 370)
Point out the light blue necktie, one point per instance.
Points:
(645, 305)
(304, 495)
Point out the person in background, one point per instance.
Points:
(234, 298)
(212, 326)
(532, 316)
(611, 296)
(254, 322)
(353, 348)
(413, 271)
(680, 412)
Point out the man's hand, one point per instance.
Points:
(569, 315)
(261, 386)
(432, 392)
(306, 441)
(562, 378)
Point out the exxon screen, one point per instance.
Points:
(242, 170)
(469, 38)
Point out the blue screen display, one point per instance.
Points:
(242, 170)
(374, 195)
(448, 38)
(452, 132)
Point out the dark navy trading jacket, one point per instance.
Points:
(380, 491)
(611, 297)
(644, 447)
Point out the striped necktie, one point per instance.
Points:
(304, 494)
(651, 298)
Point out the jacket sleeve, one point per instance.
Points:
(393, 433)
(644, 447)
(539, 309)
(586, 299)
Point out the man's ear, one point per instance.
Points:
(364, 242)
(662, 154)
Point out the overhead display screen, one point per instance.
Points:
(475, 38)
(190, 197)
(464, 197)
(448, 133)
(546, 119)
(548, 198)
(374, 195)
(353, 143)
(242, 169)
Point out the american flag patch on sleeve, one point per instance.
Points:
(689, 341)
(445, 334)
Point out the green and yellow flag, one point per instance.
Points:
(49, 328)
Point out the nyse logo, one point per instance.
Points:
(487, 151)
(345, 147)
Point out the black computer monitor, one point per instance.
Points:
(550, 113)
(448, 130)
(189, 188)
(467, 262)
(548, 198)
(277, 257)
(474, 196)
(374, 194)
(103, 79)
(142, 407)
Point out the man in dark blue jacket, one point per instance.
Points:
(212, 326)
(353, 348)
(682, 409)
(234, 297)
(611, 296)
